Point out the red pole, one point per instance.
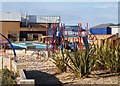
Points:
(52, 38)
(87, 30)
(67, 35)
(46, 39)
(55, 39)
(80, 31)
(61, 34)
(72, 39)
(79, 34)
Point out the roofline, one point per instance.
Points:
(114, 26)
(8, 21)
(45, 15)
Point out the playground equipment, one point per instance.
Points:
(83, 37)
(9, 43)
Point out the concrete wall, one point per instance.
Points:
(0, 62)
(10, 64)
(6, 62)
(100, 38)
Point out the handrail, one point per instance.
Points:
(10, 44)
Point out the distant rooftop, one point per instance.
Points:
(42, 19)
(104, 25)
(73, 28)
(10, 16)
(15, 16)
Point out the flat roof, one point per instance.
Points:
(43, 19)
(10, 16)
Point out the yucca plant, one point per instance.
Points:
(81, 62)
(60, 61)
(108, 57)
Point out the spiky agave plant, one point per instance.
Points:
(60, 61)
(108, 57)
(81, 62)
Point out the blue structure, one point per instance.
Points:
(85, 41)
(61, 49)
(10, 44)
(101, 29)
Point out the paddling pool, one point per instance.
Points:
(25, 45)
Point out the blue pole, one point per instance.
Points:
(85, 42)
(10, 44)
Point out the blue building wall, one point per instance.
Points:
(109, 30)
(100, 30)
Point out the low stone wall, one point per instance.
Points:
(30, 51)
(25, 82)
(4, 62)
(12, 65)
(0, 62)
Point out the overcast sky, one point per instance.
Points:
(59, 0)
(71, 12)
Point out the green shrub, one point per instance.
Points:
(108, 57)
(8, 78)
(81, 62)
(60, 61)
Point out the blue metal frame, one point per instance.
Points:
(10, 44)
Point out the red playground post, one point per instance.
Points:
(79, 35)
(67, 35)
(61, 33)
(46, 38)
(87, 30)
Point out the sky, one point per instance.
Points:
(60, 1)
(71, 13)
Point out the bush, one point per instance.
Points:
(81, 62)
(8, 77)
(108, 57)
(60, 61)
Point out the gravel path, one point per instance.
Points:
(44, 72)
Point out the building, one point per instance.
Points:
(33, 27)
(29, 27)
(101, 29)
(115, 29)
(10, 24)
(70, 30)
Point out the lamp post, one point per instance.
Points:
(7, 15)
